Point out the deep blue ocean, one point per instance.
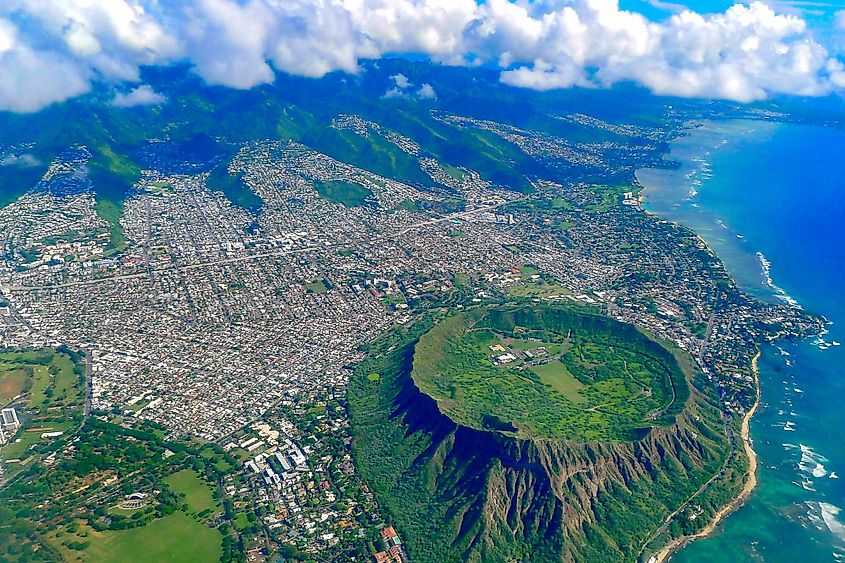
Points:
(770, 200)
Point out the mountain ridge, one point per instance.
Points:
(504, 498)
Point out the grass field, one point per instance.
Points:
(218, 459)
(316, 287)
(62, 384)
(14, 380)
(41, 382)
(176, 538)
(17, 448)
(557, 376)
(241, 521)
(110, 211)
(52, 393)
(197, 492)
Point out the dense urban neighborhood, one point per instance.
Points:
(234, 327)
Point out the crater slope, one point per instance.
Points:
(482, 458)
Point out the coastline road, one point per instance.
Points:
(745, 433)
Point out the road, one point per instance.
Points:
(89, 384)
(728, 459)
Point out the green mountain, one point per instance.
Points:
(460, 491)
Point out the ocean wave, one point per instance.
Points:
(823, 344)
(780, 293)
(825, 517)
(806, 484)
(812, 462)
(829, 514)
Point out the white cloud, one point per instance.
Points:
(401, 81)
(747, 53)
(402, 88)
(56, 48)
(836, 71)
(395, 93)
(143, 95)
(29, 79)
(426, 91)
(26, 160)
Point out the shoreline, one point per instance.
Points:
(745, 435)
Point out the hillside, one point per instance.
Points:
(462, 493)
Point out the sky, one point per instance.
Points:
(54, 50)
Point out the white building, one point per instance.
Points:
(9, 420)
(9, 424)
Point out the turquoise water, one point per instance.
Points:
(770, 200)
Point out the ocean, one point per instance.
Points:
(769, 199)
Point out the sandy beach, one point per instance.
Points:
(667, 551)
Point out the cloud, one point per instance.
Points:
(143, 95)
(426, 91)
(26, 160)
(400, 84)
(401, 81)
(667, 6)
(52, 50)
(30, 80)
(402, 88)
(840, 19)
(747, 53)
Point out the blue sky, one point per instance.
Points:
(820, 15)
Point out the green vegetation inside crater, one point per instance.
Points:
(549, 373)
